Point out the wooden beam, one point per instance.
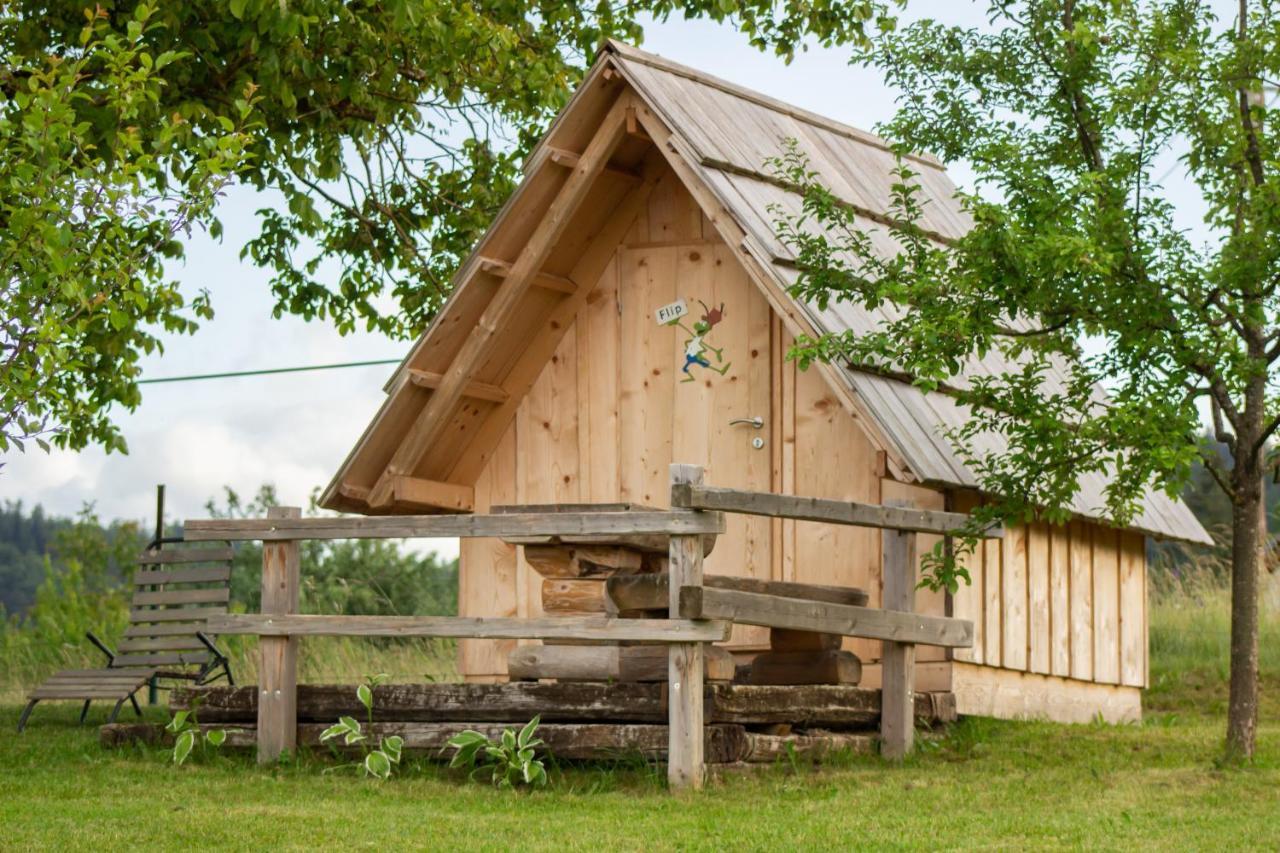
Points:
(898, 662)
(608, 663)
(417, 493)
(570, 159)
(474, 390)
(650, 592)
(278, 655)
(774, 611)
(545, 280)
(477, 628)
(686, 661)
(817, 509)
(466, 526)
(434, 417)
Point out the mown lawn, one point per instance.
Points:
(984, 784)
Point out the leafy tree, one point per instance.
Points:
(390, 132)
(98, 178)
(1068, 112)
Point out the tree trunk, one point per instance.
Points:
(1248, 528)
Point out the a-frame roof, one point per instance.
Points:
(635, 116)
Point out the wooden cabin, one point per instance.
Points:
(551, 376)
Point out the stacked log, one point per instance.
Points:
(805, 657)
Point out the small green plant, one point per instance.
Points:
(380, 761)
(511, 758)
(186, 734)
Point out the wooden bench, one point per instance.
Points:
(175, 593)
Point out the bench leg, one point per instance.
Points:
(134, 700)
(115, 712)
(84, 712)
(26, 714)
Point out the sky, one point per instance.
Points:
(293, 430)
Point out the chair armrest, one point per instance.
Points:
(102, 647)
(210, 645)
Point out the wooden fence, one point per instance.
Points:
(698, 614)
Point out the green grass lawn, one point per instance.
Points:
(984, 784)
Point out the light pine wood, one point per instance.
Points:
(485, 526)
(1060, 600)
(1038, 614)
(1106, 606)
(609, 663)
(556, 283)
(685, 761)
(985, 691)
(426, 427)
(1013, 599)
(474, 390)
(1081, 595)
(928, 602)
(416, 493)
(815, 509)
(993, 601)
(807, 615)
(1132, 608)
(897, 721)
(603, 629)
(566, 561)
(967, 602)
(278, 654)
(573, 595)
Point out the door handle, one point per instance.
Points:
(757, 422)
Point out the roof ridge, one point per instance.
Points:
(653, 60)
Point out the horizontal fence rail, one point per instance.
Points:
(820, 509)
(503, 525)
(476, 628)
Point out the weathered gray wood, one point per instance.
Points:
(818, 509)
(897, 724)
(186, 555)
(776, 612)
(173, 643)
(278, 653)
(570, 741)
(652, 545)
(809, 667)
(175, 614)
(479, 627)
(829, 705)
(205, 574)
(168, 629)
(174, 659)
(602, 524)
(608, 663)
(183, 596)
(685, 758)
(813, 745)
(650, 592)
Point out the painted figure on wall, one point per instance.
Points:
(697, 347)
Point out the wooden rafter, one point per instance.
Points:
(431, 421)
(474, 390)
(570, 159)
(547, 281)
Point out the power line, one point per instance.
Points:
(269, 370)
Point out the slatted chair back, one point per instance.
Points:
(175, 593)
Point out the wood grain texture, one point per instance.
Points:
(1106, 606)
(609, 663)
(897, 721)
(278, 655)
(1081, 594)
(483, 627)
(685, 759)
(651, 591)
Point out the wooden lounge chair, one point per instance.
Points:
(175, 592)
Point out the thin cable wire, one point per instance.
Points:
(267, 371)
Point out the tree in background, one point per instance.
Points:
(389, 134)
(1069, 112)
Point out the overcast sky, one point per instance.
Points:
(293, 430)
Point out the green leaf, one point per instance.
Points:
(182, 746)
(526, 733)
(334, 731)
(365, 695)
(216, 737)
(392, 746)
(377, 764)
(237, 9)
(178, 721)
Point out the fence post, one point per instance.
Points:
(685, 768)
(898, 677)
(278, 656)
